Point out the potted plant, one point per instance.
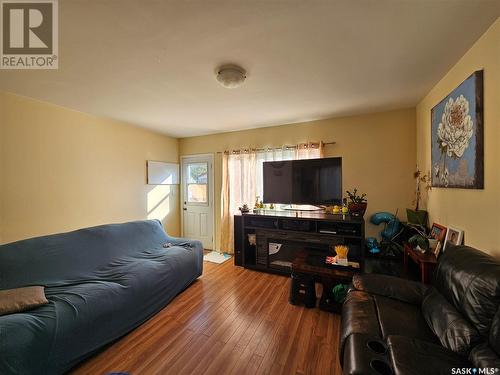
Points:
(356, 203)
(423, 239)
(418, 216)
(419, 241)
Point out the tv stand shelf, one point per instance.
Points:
(270, 240)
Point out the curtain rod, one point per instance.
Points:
(285, 147)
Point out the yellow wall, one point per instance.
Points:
(475, 211)
(61, 169)
(378, 152)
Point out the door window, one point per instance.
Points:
(197, 183)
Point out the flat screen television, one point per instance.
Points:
(312, 181)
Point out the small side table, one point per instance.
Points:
(426, 262)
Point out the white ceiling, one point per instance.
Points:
(152, 63)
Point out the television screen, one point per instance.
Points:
(313, 181)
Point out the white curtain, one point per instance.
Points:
(227, 220)
(309, 150)
(242, 180)
(238, 187)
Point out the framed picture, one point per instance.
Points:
(454, 236)
(438, 232)
(457, 153)
(437, 250)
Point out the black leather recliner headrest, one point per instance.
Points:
(470, 280)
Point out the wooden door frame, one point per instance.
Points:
(211, 192)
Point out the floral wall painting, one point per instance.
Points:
(457, 137)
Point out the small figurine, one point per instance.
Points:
(257, 205)
(244, 209)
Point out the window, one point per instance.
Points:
(242, 180)
(197, 184)
(246, 173)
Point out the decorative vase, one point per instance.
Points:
(357, 209)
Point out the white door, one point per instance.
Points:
(198, 199)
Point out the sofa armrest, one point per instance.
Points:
(359, 316)
(195, 246)
(389, 286)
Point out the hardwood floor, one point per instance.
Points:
(230, 321)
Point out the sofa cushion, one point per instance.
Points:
(470, 280)
(453, 330)
(396, 318)
(410, 356)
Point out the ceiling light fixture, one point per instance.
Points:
(231, 76)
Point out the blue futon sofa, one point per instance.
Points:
(100, 282)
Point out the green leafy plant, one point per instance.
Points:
(420, 241)
(355, 198)
(420, 238)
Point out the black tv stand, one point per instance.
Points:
(268, 240)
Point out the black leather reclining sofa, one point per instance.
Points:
(396, 326)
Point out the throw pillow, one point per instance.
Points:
(21, 299)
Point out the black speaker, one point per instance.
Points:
(238, 240)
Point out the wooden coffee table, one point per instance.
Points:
(313, 264)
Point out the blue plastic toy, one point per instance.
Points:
(372, 245)
(392, 224)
